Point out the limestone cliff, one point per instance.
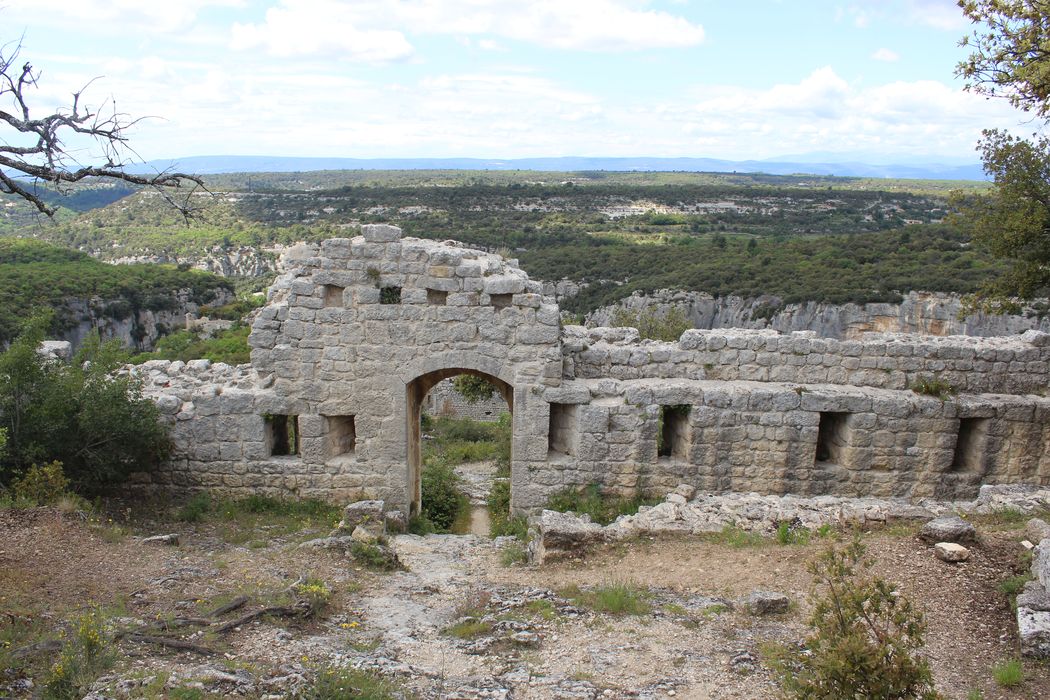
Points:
(923, 313)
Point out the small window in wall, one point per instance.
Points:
(342, 435)
(283, 432)
(562, 432)
(333, 295)
(832, 437)
(436, 297)
(970, 444)
(673, 436)
(390, 295)
(501, 301)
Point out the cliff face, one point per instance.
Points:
(135, 329)
(920, 312)
(244, 261)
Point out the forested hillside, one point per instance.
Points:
(38, 276)
(798, 237)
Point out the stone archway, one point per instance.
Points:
(416, 391)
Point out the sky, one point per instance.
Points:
(750, 79)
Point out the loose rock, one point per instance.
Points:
(766, 602)
(951, 552)
(948, 528)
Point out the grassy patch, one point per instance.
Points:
(787, 535)
(613, 598)
(513, 553)
(469, 629)
(737, 538)
(256, 520)
(590, 500)
(1008, 674)
(333, 683)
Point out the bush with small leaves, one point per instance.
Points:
(41, 485)
(865, 640)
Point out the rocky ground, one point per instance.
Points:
(458, 622)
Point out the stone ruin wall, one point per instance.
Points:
(444, 400)
(349, 361)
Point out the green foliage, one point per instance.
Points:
(1008, 52)
(1008, 59)
(737, 537)
(376, 556)
(865, 636)
(616, 598)
(195, 509)
(41, 485)
(469, 629)
(229, 346)
(513, 553)
(462, 440)
(501, 524)
(935, 387)
(787, 534)
(316, 594)
(337, 683)
(1008, 674)
(667, 326)
(443, 500)
(87, 653)
(474, 388)
(590, 500)
(95, 423)
(35, 276)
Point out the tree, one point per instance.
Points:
(474, 388)
(1010, 58)
(39, 149)
(82, 414)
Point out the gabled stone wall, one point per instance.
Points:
(357, 331)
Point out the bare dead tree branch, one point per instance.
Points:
(35, 149)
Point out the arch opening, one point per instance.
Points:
(416, 394)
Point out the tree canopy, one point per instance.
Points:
(1010, 58)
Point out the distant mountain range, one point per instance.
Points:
(798, 165)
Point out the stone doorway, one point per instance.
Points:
(417, 391)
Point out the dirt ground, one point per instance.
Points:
(694, 640)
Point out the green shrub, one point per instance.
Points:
(376, 556)
(316, 594)
(87, 653)
(195, 509)
(786, 534)
(590, 500)
(865, 636)
(41, 485)
(443, 501)
(513, 553)
(932, 386)
(474, 388)
(229, 346)
(1008, 673)
(97, 424)
(667, 326)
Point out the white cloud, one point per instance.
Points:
(939, 14)
(322, 26)
(886, 55)
(116, 16)
(319, 27)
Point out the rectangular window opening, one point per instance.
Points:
(333, 295)
(283, 433)
(342, 435)
(970, 444)
(562, 431)
(673, 434)
(436, 297)
(501, 301)
(832, 437)
(390, 295)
